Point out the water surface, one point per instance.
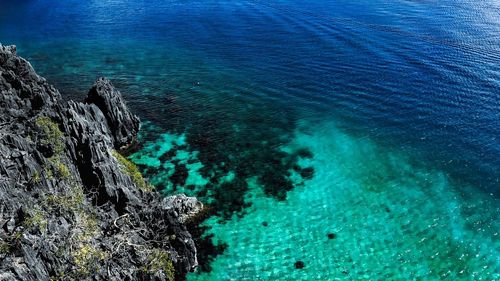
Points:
(360, 138)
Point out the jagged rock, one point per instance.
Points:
(68, 209)
(23, 91)
(123, 124)
(184, 207)
(93, 139)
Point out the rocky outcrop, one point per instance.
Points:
(71, 207)
(185, 207)
(122, 123)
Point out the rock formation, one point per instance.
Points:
(71, 206)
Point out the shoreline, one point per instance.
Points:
(81, 210)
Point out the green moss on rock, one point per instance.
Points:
(51, 134)
(132, 171)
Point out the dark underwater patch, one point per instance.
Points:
(299, 265)
(248, 143)
(306, 173)
(180, 175)
(243, 141)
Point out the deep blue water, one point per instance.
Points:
(238, 81)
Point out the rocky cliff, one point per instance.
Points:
(71, 206)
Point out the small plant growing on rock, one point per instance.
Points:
(37, 218)
(36, 177)
(51, 135)
(132, 171)
(87, 257)
(51, 139)
(160, 260)
(17, 236)
(62, 170)
(72, 200)
(88, 226)
(58, 168)
(5, 247)
(49, 175)
(58, 276)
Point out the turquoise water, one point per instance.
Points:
(391, 217)
(357, 140)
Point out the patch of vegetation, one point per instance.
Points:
(56, 169)
(160, 260)
(132, 171)
(88, 225)
(63, 170)
(51, 134)
(49, 175)
(72, 200)
(17, 236)
(36, 177)
(37, 218)
(86, 258)
(58, 276)
(59, 168)
(5, 247)
(10, 243)
(51, 140)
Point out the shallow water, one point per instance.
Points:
(389, 219)
(377, 123)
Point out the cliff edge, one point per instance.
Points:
(71, 206)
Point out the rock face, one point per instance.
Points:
(71, 207)
(122, 123)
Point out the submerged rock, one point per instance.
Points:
(70, 207)
(332, 235)
(299, 264)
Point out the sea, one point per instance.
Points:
(329, 140)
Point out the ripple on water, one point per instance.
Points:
(366, 213)
(226, 82)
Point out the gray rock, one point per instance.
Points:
(68, 210)
(184, 207)
(122, 123)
